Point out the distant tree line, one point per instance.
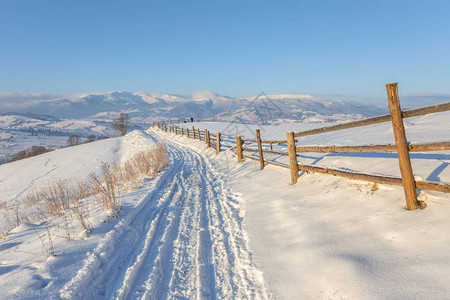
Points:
(75, 139)
(29, 152)
(44, 131)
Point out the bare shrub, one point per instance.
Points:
(83, 189)
(106, 186)
(68, 201)
(33, 199)
(57, 196)
(130, 175)
(81, 211)
(160, 158)
(151, 162)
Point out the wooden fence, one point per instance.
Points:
(211, 140)
(402, 147)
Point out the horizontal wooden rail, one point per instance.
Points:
(249, 149)
(277, 164)
(434, 146)
(264, 142)
(249, 140)
(276, 152)
(413, 147)
(433, 186)
(266, 161)
(375, 120)
(423, 184)
(274, 142)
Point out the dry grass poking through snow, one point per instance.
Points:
(71, 201)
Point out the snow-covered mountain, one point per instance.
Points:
(202, 104)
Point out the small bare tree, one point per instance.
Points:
(73, 140)
(121, 123)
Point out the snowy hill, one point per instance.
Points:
(214, 228)
(201, 104)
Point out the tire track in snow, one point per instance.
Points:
(184, 240)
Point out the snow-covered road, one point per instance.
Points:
(186, 240)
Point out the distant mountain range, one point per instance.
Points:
(203, 105)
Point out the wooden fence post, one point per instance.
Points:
(217, 142)
(188, 135)
(292, 157)
(409, 184)
(193, 132)
(199, 136)
(207, 138)
(260, 150)
(182, 131)
(239, 148)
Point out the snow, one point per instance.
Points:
(209, 227)
(333, 238)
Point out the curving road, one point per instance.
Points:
(186, 241)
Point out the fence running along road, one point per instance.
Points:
(401, 147)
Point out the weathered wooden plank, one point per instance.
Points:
(264, 141)
(379, 119)
(426, 110)
(434, 186)
(352, 175)
(413, 147)
(276, 152)
(422, 184)
(433, 146)
(277, 164)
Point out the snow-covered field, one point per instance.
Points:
(19, 132)
(209, 227)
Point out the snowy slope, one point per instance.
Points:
(179, 235)
(333, 238)
(209, 226)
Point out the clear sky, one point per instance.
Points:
(234, 48)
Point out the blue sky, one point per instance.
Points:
(234, 48)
